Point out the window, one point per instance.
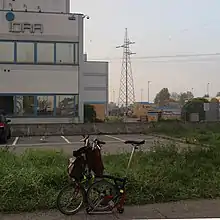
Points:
(76, 50)
(25, 52)
(64, 53)
(7, 52)
(45, 105)
(24, 105)
(67, 105)
(45, 52)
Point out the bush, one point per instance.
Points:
(114, 119)
(33, 179)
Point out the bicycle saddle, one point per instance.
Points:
(135, 142)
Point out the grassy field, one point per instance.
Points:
(203, 133)
(32, 180)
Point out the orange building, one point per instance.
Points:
(141, 108)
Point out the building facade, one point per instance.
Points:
(95, 86)
(43, 72)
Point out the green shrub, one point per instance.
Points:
(114, 119)
(32, 180)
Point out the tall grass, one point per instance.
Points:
(32, 180)
(206, 133)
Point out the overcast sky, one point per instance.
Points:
(159, 27)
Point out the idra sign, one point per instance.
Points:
(16, 27)
(22, 27)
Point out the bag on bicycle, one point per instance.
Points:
(94, 161)
(77, 165)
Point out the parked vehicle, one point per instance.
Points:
(5, 129)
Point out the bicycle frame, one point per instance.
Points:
(124, 179)
(135, 147)
(120, 183)
(118, 200)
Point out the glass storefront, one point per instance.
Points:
(40, 105)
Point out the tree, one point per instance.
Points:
(206, 96)
(214, 100)
(218, 94)
(195, 105)
(185, 96)
(175, 96)
(162, 97)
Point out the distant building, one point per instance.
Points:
(141, 108)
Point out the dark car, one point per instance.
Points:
(5, 129)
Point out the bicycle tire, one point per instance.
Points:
(71, 186)
(89, 200)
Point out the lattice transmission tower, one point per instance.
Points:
(126, 91)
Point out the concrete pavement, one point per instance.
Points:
(174, 210)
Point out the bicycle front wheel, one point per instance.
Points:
(70, 199)
(102, 195)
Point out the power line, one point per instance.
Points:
(179, 56)
(207, 60)
(167, 56)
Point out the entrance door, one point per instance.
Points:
(7, 104)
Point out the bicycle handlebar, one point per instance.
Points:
(95, 141)
(84, 138)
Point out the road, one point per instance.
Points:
(114, 143)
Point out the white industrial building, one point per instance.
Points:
(44, 74)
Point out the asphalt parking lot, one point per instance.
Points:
(114, 143)
(57, 140)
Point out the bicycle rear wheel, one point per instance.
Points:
(67, 198)
(102, 195)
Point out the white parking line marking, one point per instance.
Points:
(54, 144)
(65, 139)
(15, 141)
(116, 138)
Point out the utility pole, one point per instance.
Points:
(142, 95)
(126, 92)
(208, 89)
(148, 91)
(113, 95)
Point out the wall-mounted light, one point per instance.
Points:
(72, 17)
(39, 8)
(25, 7)
(10, 6)
(86, 16)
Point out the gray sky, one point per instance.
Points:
(159, 27)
